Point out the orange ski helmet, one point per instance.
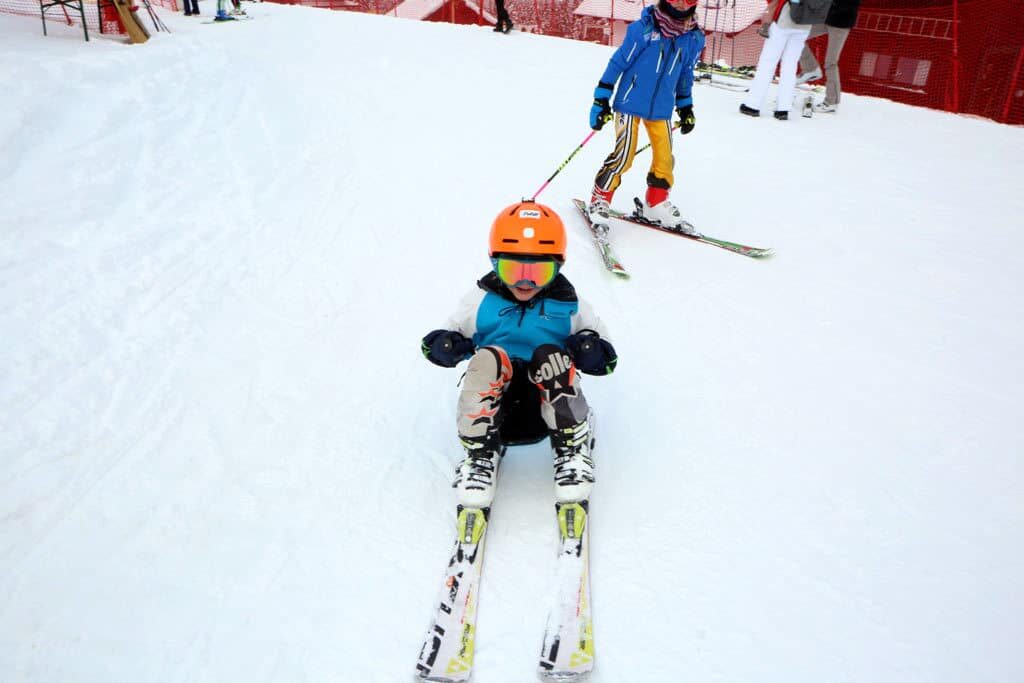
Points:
(528, 228)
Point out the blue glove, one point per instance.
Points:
(590, 353)
(600, 112)
(446, 348)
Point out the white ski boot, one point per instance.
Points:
(599, 211)
(666, 215)
(477, 474)
(574, 464)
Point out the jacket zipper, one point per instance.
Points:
(625, 97)
(676, 60)
(657, 84)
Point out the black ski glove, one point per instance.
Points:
(687, 121)
(446, 348)
(590, 353)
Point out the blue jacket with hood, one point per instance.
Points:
(655, 73)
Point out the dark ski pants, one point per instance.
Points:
(503, 17)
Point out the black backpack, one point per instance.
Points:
(809, 11)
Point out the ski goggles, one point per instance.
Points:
(517, 272)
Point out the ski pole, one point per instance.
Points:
(564, 164)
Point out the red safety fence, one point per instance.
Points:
(961, 56)
(100, 15)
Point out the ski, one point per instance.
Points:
(447, 652)
(636, 218)
(604, 247)
(567, 652)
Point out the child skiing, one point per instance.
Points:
(654, 70)
(526, 334)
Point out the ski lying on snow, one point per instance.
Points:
(567, 652)
(604, 247)
(447, 652)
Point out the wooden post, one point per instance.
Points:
(137, 33)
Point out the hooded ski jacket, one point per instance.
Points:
(655, 73)
(491, 316)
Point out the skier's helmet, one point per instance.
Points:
(527, 228)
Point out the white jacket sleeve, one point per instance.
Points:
(464, 318)
(586, 319)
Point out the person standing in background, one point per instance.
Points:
(786, 36)
(841, 19)
(504, 24)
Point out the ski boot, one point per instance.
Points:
(599, 211)
(665, 214)
(574, 463)
(477, 474)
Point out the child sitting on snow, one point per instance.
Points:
(526, 334)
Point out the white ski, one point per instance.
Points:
(567, 653)
(604, 246)
(447, 652)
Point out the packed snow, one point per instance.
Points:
(223, 457)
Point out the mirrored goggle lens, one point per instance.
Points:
(515, 272)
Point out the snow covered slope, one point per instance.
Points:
(222, 457)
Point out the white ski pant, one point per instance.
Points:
(785, 45)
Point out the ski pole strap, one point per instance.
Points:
(563, 165)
